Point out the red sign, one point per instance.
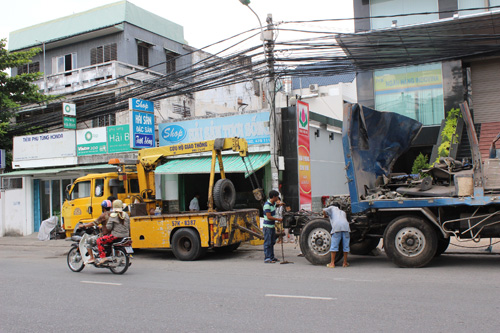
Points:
(304, 155)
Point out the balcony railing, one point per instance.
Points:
(99, 75)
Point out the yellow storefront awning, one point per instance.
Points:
(232, 164)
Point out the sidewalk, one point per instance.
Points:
(32, 240)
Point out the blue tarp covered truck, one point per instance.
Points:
(415, 217)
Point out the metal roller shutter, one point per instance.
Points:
(486, 91)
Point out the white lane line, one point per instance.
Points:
(106, 283)
(302, 297)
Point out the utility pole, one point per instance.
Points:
(267, 37)
(275, 118)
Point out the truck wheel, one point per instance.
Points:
(315, 241)
(443, 244)
(410, 241)
(224, 194)
(364, 247)
(186, 245)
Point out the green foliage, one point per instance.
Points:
(419, 164)
(15, 91)
(448, 134)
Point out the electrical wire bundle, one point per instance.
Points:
(318, 53)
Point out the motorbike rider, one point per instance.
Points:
(119, 227)
(100, 222)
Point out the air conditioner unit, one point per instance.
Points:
(313, 87)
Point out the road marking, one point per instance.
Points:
(302, 297)
(106, 283)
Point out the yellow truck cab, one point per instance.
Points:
(85, 195)
(188, 234)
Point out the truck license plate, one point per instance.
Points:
(129, 249)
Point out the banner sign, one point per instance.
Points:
(254, 127)
(91, 141)
(304, 155)
(119, 139)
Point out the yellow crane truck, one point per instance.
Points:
(188, 234)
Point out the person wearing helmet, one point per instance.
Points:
(100, 222)
(119, 227)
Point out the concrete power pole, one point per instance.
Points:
(275, 118)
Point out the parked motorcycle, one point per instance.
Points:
(119, 253)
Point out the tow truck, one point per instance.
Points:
(188, 234)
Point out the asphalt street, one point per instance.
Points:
(238, 292)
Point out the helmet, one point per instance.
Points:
(106, 204)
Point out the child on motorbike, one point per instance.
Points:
(119, 227)
(100, 222)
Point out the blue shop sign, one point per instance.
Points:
(135, 104)
(254, 127)
(142, 130)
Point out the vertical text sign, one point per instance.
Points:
(142, 124)
(304, 156)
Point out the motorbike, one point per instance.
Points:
(118, 254)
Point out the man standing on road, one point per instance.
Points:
(269, 227)
(340, 231)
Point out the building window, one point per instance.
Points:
(170, 58)
(101, 54)
(12, 183)
(391, 10)
(143, 54)
(34, 67)
(104, 120)
(413, 91)
(64, 63)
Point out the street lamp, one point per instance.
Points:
(275, 119)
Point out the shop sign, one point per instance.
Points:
(69, 122)
(50, 149)
(142, 130)
(135, 104)
(254, 127)
(119, 139)
(91, 141)
(392, 81)
(304, 156)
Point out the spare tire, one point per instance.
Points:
(224, 194)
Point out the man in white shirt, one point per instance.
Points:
(194, 205)
(340, 231)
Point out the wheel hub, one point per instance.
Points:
(410, 241)
(186, 244)
(319, 241)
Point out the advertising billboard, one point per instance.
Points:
(254, 127)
